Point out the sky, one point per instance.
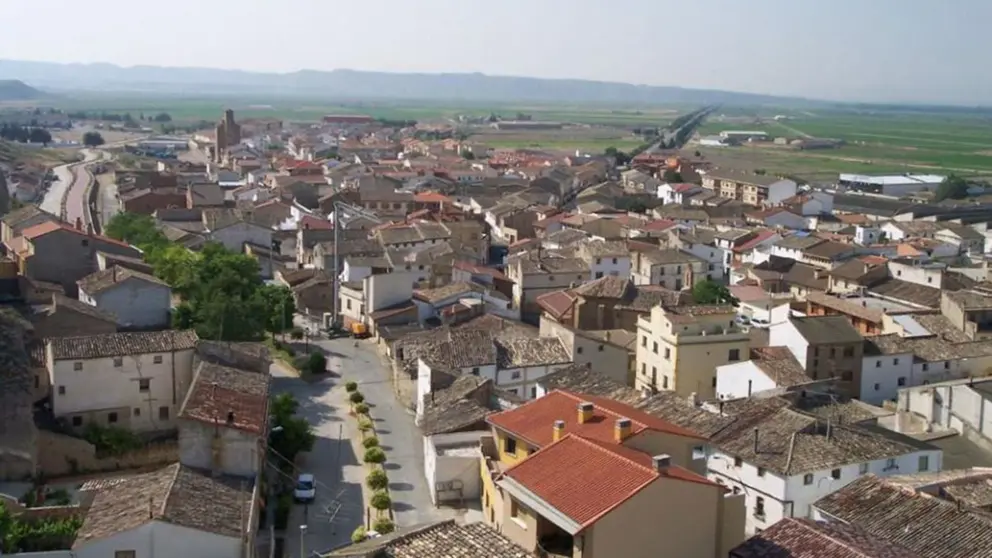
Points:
(862, 50)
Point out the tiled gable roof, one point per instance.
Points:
(803, 538)
(121, 344)
(227, 396)
(102, 280)
(445, 539)
(534, 421)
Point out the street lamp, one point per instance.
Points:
(303, 551)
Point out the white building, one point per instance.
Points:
(135, 299)
(787, 460)
(606, 258)
(173, 511)
(892, 185)
(769, 368)
(964, 406)
(129, 380)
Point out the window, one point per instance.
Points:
(515, 375)
(816, 363)
(512, 391)
(878, 387)
(926, 367)
(125, 554)
(61, 390)
(895, 362)
(551, 277)
(759, 507)
(37, 382)
(533, 393)
(118, 362)
(77, 421)
(86, 242)
(698, 452)
(579, 350)
(849, 351)
(655, 348)
(143, 385)
(510, 445)
(664, 382)
(901, 381)
(847, 375)
(734, 355)
(348, 304)
(737, 462)
(514, 509)
(475, 371)
(600, 348)
(668, 354)
(111, 418)
(599, 275)
(599, 261)
(833, 352)
(816, 351)
(890, 464)
(947, 365)
(835, 474)
(924, 463)
(878, 364)
(614, 260)
(137, 412)
(77, 366)
(644, 369)
(644, 341)
(761, 471)
(157, 359)
(163, 413)
(808, 479)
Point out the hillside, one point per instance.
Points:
(16, 90)
(349, 84)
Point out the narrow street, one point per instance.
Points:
(339, 508)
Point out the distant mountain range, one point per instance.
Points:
(353, 84)
(17, 90)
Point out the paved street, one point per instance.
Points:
(339, 472)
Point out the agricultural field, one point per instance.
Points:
(876, 142)
(593, 139)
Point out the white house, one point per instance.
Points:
(130, 380)
(606, 258)
(173, 511)
(787, 460)
(676, 193)
(867, 235)
(769, 368)
(135, 299)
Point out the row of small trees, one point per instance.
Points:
(374, 456)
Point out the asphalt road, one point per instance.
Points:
(338, 509)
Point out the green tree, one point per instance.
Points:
(137, 230)
(672, 176)
(377, 480)
(316, 363)
(296, 434)
(92, 139)
(953, 187)
(370, 442)
(711, 292)
(381, 501)
(40, 135)
(374, 455)
(383, 526)
(175, 265)
(280, 306)
(162, 117)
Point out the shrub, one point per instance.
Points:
(370, 442)
(351, 387)
(317, 363)
(374, 455)
(362, 408)
(381, 500)
(365, 424)
(358, 535)
(383, 526)
(356, 397)
(283, 506)
(377, 480)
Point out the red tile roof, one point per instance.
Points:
(34, 232)
(534, 421)
(431, 197)
(659, 225)
(585, 479)
(556, 303)
(480, 270)
(758, 238)
(315, 223)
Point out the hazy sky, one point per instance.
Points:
(888, 50)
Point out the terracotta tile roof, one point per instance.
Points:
(925, 524)
(121, 344)
(228, 397)
(314, 223)
(803, 538)
(107, 278)
(556, 303)
(174, 494)
(585, 479)
(534, 421)
(445, 539)
(31, 233)
(431, 197)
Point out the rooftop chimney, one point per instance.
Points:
(694, 399)
(755, 440)
(585, 412)
(559, 430)
(662, 462)
(621, 430)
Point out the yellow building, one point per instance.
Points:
(679, 348)
(583, 476)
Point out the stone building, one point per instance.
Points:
(228, 134)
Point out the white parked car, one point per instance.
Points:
(306, 488)
(759, 322)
